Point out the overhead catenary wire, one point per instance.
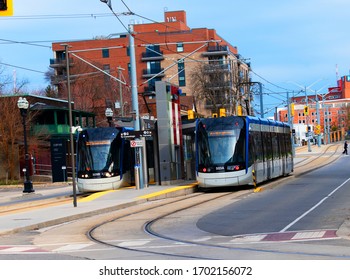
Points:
(97, 15)
(20, 67)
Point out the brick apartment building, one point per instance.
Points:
(333, 107)
(165, 51)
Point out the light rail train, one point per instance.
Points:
(235, 151)
(104, 160)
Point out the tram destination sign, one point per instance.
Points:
(136, 134)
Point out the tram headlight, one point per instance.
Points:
(107, 174)
(83, 175)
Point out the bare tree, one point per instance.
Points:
(5, 79)
(219, 85)
(91, 90)
(10, 131)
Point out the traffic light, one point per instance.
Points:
(6, 8)
(190, 114)
(292, 109)
(306, 110)
(222, 112)
(239, 110)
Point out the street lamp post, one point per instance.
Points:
(305, 89)
(23, 105)
(109, 115)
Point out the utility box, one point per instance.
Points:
(169, 133)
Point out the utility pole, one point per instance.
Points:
(307, 122)
(260, 95)
(135, 107)
(71, 127)
(290, 122)
(305, 88)
(318, 120)
(121, 91)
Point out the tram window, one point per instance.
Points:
(252, 150)
(267, 145)
(275, 145)
(281, 140)
(256, 140)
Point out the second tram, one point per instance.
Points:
(234, 151)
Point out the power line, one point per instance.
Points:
(270, 82)
(24, 43)
(19, 67)
(62, 16)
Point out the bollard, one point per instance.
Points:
(137, 176)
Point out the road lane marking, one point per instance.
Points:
(288, 236)
(133, 243)
(72, 247)
(315, 206)
(309, 235)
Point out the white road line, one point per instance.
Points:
(249, 238)
(133, 243)
(309, 235)
(315, 206)
(72, 247)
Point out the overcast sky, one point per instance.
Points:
(286, 42)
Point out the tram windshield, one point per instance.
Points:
(221, 144)
(99, 153)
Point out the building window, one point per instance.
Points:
(153, 67)
(181, 72)
(153, 51)
(180, 47)
(105, 53)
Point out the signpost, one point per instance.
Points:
(138, 144)
(136, 134)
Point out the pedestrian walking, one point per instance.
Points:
(345, 148)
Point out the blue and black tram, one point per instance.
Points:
(241, 150)
(104, 159)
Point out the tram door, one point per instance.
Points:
(188, 137)
(267, 154)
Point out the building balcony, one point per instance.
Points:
(150, 73)
(59, 79)
(224, 85)
(211, 68)
(152, 56)
(60, 63)
(216, 51)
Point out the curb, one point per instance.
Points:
(172, 192)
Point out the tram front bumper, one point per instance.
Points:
(209, 180)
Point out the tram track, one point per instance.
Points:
(148, 225)
(319, 159)
(151, 229)
(189, 202)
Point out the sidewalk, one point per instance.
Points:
(44, 215)
(51, 211)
